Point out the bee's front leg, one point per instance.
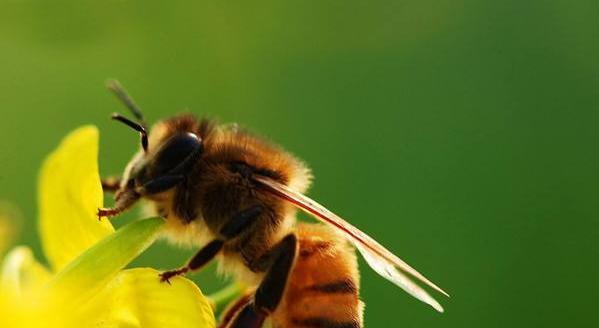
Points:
(124, 200)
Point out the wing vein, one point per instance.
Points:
(372, 251)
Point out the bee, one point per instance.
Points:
(235, 196)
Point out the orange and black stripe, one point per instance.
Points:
(323, 289)
(344, 286)
(324, 323)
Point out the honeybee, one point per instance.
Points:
(236, 195)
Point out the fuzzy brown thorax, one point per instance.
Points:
(216, 186)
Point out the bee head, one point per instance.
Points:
(165, 158)
(160, 166)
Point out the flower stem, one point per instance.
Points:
(223, 297)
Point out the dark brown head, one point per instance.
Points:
(164, 160)
(166, 156)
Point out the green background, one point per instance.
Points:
(461, 134)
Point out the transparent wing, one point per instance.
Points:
(390, 272)
(378, 257)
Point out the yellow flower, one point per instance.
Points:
(86, 285)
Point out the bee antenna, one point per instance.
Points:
(120, 92)
(135, 126)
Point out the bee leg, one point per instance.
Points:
(248, 317)
(111, 184)
(279, 262)
(232, 310)
(202, 257)
(124, 201)
(231, 229)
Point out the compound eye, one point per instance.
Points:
(176, 155)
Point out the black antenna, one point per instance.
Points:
(135, 126)
(120, 92)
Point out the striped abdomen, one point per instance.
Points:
(323, 289)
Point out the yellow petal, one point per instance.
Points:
(21, 281)
(21, 273)
(137, 298)
(91, 271)
(69, 195)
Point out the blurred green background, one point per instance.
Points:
(461, 134)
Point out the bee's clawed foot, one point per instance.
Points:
(107, 212)
(167, 275)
